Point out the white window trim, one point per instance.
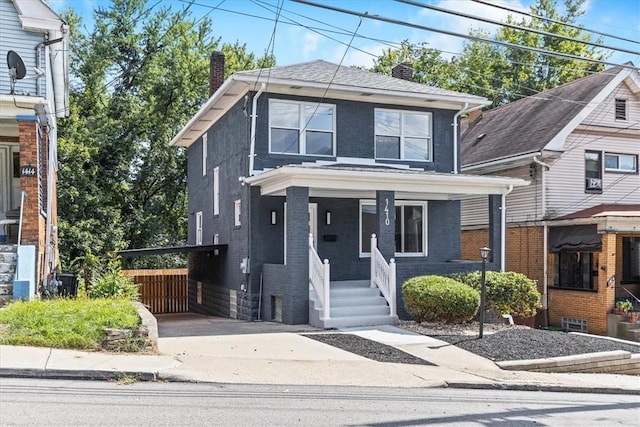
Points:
(237, 212)
(425, 229)
(199, 228)
(302, 126)
(216, 191)
(402, 136)
(204, 155)
(618, 170)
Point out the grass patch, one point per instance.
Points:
(65, 323)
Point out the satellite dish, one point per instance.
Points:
(17, 70)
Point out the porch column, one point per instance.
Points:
(295, 303)
(386, 225)
(495, 227)
(33, 223)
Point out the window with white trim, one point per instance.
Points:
(410, 229)
(237, 209)
(593, 171)
(625, 163)
(404, 135)
(204, 155)
(216, 190)
(199, 228)
(301, 128)
(621, 109)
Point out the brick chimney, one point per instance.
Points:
(216, 72)
(474, 116)
(402, 71)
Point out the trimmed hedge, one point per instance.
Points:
(506, 292)
(437, 298)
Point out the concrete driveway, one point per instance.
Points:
(194, 325)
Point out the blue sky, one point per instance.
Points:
(305, 33)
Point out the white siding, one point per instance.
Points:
(523, 204)
(13, 37)
(566, 189)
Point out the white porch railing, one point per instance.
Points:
(319, 278)
(383, 275)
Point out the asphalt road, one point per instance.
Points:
(85, 403)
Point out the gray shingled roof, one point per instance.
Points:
(528, 124)
(323, 72)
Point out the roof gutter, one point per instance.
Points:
(455, 125)
(525, 158)
(254, 116)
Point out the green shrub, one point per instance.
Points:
(506, 292)
(113, 284)
(437, 298)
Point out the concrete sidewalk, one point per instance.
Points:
(278, 356)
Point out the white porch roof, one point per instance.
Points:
(345, 181)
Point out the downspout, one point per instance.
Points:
(503, 229)
(455, 133)
(545, 230)
(254, 117)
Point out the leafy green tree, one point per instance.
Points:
(137, 77)
(502, 73)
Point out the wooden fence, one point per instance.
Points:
(163, 291)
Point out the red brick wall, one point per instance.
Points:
(592, 306)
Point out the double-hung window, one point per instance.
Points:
(593, 171)
(404, 135)
(624, 163)
(301, 128)
(410, 227)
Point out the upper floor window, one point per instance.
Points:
(403, 135)
(301, 128)
(593, 171)
(204, 154)
(620, 163)
(621, 109)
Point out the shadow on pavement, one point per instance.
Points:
(193, 325)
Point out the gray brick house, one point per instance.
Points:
(292, 169)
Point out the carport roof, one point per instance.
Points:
(352, 181)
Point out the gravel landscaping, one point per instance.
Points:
(500, 342)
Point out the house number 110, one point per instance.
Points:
(386, 212)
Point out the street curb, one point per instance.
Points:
(543, 387)
(68, 374)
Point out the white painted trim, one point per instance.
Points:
(204, 154)
(237, 213)
(558, 141)
(199, 226)
(216, 191)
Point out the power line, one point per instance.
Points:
(465, 36)
(516, 27)
(555, 21)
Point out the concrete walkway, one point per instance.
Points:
(204, 349)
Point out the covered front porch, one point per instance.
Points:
(312, 230)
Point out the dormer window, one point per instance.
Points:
(621, 109)
(404, 135)
(301, 128)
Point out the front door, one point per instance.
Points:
(9, 178)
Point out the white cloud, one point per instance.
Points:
(310, 43)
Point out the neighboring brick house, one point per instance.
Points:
(279, 154)
(33, 95)
(576, 228)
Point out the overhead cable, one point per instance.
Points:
(516, 27)
(555, 21)
(465, 36)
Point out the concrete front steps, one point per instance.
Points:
(8, 259)
(353, 303)
(619, 326)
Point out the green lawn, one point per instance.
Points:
(64, 323)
